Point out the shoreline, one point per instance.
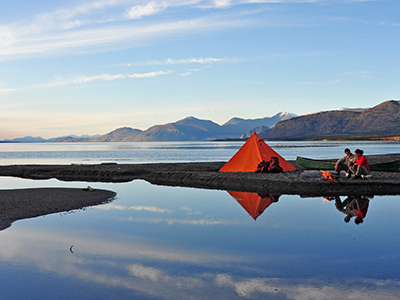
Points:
(19, 204)
(206, 175)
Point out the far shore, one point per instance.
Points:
(206, 175)
(302, 138)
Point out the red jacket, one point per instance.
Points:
(362, 160)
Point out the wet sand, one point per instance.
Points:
(29, 203)
(205, 175)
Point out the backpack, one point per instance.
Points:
(274, 166)
(263, 167)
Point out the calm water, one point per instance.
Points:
(63, 153)
(157, 242)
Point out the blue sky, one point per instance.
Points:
(89, 67)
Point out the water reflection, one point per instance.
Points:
(157, 242)
(254, 203)
(352, 206)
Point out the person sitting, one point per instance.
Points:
(344, 162)
(353, 206)
(361, 168)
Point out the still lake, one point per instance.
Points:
(160, 242)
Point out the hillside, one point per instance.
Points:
(383, 119)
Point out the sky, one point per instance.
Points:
(90, 67)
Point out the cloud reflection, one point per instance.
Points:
(203, 222)
(308, 288)
(171, 273)
(112, 206)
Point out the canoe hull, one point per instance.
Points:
(329, 165)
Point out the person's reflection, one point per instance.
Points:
(353, 206)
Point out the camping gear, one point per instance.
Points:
(329, 164)
(248, 157)
(274, 166)
(263, 167)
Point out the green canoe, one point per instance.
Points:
(329, 164)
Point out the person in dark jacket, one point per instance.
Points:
(344, 162)
(353, 206)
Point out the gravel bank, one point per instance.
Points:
(205, 175)
(29, 203)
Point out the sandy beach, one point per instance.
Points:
(206, 175)
(29, 203)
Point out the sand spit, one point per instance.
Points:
(29, 203)
(205, 175)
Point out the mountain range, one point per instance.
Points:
(38, 139)
(381, 120)
(188, 129)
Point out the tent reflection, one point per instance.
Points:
(255, 204)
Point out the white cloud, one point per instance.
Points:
(358, 72)
(149, 74)
(321, 82)
(6, 36)
(104, 38)
(107, 77)
(7, 91)
(67, 29)
(138, 11)
(222, 3)
(152, 274)
(85, 79)
(202, 60)
(66, 18)
(361, 74)
(205, 60)
(186, 61)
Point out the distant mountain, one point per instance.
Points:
(118, 135)
(254, 130)
(28, 139)
(124, 134)
(268, 123)
(237, 127)
(188, 129)
(383, 119)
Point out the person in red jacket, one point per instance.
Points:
(353, 206)
(360, 168)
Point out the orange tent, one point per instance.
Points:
(254, 203)
(254, 151)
